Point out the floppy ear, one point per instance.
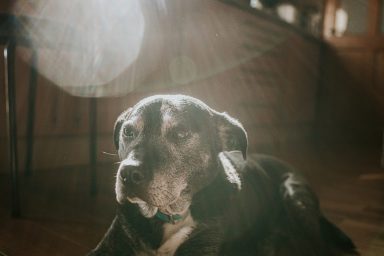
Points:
(232, 163)
(232, 135)
(233, 145)
(119, 122)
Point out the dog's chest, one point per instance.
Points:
(174, 235)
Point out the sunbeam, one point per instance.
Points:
(83, 43)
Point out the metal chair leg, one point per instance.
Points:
(93, 144)
(9, 61)
(31, 113)
(382, 151)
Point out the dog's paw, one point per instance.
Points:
(299, 200)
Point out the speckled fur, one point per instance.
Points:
(193, 161)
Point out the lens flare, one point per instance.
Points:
(83, 43)
(112, 47)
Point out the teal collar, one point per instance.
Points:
(172, 219)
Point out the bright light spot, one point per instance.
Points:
(287, 12)
(113, 47)
(341, 22)
(256, 4)
(91, 42)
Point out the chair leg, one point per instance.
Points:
(382, 151)
(9, 61)
(31, 113)
(93, 144)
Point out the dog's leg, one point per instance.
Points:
(115, 242)
(298, 196)
(302, 214)
(302, 207)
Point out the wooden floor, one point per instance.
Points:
(61, 218)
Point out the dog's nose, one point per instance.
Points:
(131, 175)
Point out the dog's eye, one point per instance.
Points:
(181, 133)
(128, 133)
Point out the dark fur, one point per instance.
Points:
(270, 211)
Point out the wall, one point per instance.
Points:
(5, 5)
(273, 93)
(352, 96)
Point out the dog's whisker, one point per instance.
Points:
(108, 154)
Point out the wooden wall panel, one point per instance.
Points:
(272, 93)
(354, 69)
(378, 90)
(352, 105)
(348, 110)
(3, 127)
(5, 5)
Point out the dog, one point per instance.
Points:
(185, 186)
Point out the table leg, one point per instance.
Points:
(93, 144)
(9, 64)
(31, 113)
(382, 151)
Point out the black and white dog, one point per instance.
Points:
(184, 188)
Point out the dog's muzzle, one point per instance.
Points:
(130, 175)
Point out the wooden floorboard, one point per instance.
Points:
(61, 218)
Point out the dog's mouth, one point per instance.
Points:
(160, 194)
(172, 205)
(155, 203)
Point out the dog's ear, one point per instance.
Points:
(116, 130)
(233, 163)
(232, 135)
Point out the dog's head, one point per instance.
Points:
(171, 147)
